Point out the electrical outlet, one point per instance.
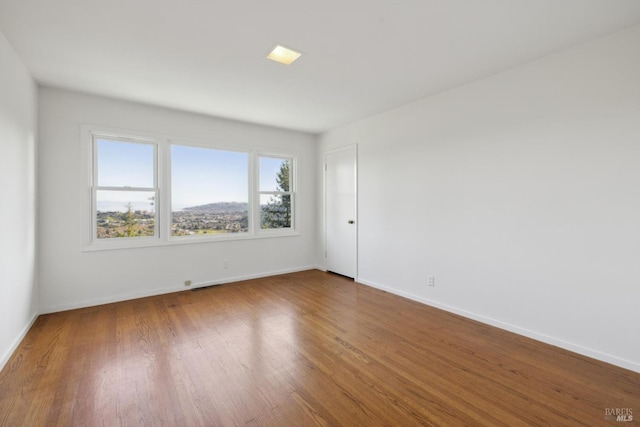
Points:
(225, 264)
(431, 280)
(187, 282)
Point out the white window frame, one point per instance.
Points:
(293, 167)
(95, 136)
(162, 189)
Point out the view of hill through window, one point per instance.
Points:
(209, 191)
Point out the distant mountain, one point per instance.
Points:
(220, 207)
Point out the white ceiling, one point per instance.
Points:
(361, 57)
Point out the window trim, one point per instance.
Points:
(292, 191)
(163, 213)
(95, 187)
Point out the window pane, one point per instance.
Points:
(125, 213)
(275, 174)
(125, 164)
(275, 211)
(209, 191)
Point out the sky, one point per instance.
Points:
(199, 175)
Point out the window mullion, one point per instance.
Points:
(254, 196)
(163, 175)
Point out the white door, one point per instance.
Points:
(340, 198)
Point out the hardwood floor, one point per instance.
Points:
(308, 348)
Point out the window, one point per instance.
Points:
(209, 191)
(147, 191)
(124, 189)
(276, 195)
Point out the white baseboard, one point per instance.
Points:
(16, 342)
(604, 357)
(178, 288)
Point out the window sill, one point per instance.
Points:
(150, 242)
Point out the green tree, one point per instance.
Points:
(130, 224)
(282, 177)
(277, 212)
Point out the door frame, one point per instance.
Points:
(353, 147)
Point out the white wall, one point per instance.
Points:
(521, 194)
(73, 278)
(18, 121)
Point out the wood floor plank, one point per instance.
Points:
(307, 348)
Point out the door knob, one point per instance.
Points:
(351, 221)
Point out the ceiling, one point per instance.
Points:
(361, 57)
